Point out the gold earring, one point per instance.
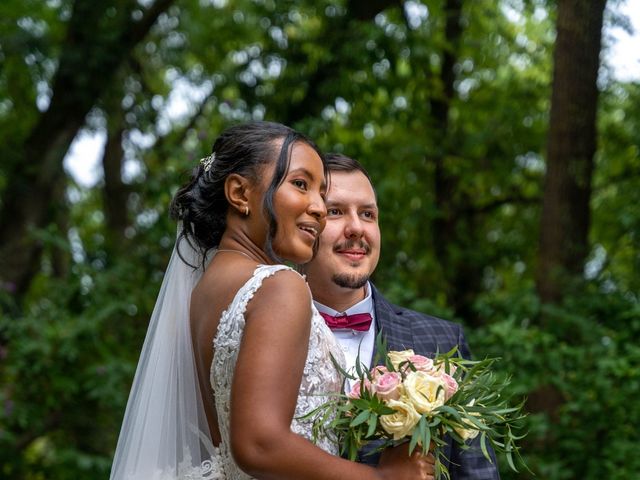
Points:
(246, 210)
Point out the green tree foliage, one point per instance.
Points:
(386, 82)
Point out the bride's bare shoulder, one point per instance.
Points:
(284, 290)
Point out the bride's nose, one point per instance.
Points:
(317, 208)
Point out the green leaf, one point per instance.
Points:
(415, 437)
(373, 424)
(483, 446)
(426, 438)
(361, 418)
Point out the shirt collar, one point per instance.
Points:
(363, 306)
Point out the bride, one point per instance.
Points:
(235, 350)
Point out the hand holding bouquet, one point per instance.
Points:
(421, 400)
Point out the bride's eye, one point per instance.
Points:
(301, 184)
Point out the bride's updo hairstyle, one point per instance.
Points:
(201, 204)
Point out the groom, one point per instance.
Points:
(339, 279)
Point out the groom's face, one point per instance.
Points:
(350, 243)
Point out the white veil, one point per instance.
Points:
(165, 433)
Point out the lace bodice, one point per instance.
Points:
(319, 378)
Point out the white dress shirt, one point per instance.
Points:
(351, 341)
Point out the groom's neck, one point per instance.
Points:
(340, 298)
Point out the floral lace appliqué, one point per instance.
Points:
(210, 469)
(319, 379)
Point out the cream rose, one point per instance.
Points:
(398, 357)
(402, 422)
(425, 392)
(467, 433)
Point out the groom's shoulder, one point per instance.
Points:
(430, 321)
(421, 319)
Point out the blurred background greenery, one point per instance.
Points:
(504, 151)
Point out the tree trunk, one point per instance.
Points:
(564, 226)
(96, 44)
(367, 10)
(454, 226)
(115, 193)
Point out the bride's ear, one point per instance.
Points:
(238, 190)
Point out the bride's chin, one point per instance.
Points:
(296, 257)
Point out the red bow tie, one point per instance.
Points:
(358, 321)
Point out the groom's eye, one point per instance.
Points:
(333, 211)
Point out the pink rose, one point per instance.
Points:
(450, 386)
(441, 368)
(387, 386)
(378, 371)
(422, 364)
(355, 391)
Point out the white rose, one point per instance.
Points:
(401, 423)
(424, 391)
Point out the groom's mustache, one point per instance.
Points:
(351, 245)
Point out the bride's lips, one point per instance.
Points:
(310, 230)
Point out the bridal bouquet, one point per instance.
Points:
(420, 400)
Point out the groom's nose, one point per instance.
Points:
(353, 226)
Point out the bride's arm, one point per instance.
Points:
(265, 390)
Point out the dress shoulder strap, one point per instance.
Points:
(247, 291)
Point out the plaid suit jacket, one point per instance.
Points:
(403, 328)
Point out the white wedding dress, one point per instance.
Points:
(319, 379)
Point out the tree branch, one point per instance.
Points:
(499, 202)
(91, 54)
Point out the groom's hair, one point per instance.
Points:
(337, 162)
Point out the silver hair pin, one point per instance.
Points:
(207, 161)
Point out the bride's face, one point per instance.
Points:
(298, 205)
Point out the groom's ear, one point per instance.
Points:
(238, 190)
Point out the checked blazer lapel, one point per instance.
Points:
(389, 320)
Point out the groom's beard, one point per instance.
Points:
(345, 280)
